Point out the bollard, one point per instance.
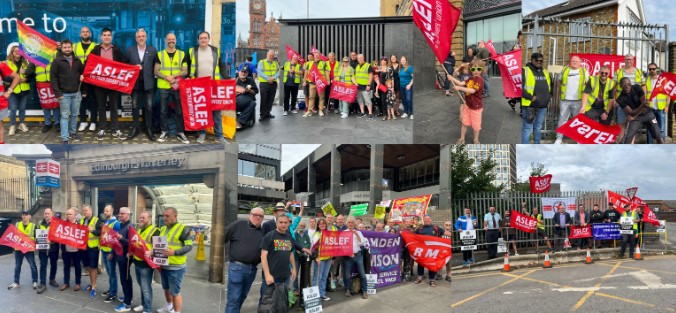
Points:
(200, 248)
(547, 263)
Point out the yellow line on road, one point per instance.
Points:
(591, 292)
(645, 269)
(535, 280)
(491, 289)
(624, 299)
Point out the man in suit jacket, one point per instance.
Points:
(561, 222)
(582, 218)
(145, 57)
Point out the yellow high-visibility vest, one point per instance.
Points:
(269, 70)
(349, 73)
(296, 76)
(662, 99)
(92, 240)
(147, 235)
(42, 73)
(564, 82)
(21, 86)
(175, 243)
(595, 83)
(362, 74)
(169, 66)
(529, 86)
(80, 53)
(193, 64)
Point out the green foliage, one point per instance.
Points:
(536, 169)
(468, 178)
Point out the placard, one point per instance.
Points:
(371, 281)
(313, 303)
(159, 245)
(502, 248)
(41, 242)
(661, 228)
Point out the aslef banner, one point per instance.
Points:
(593, 62)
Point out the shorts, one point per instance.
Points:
(4, 113)
(91, 257)
(364, 97)
(171, 280)
(541, 233)
(472, 118)
(621, 115)
(511, 237)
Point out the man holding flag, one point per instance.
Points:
(71, 257)
(28, 228)
(144, 271)
(123, 262)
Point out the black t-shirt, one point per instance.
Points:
(598, 104)
(596, 217)
(279, 249)
(612, 215)
(632, 99)
(85, 46)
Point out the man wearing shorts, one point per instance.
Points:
(509, 232)
(90, 256)
(179, 244)
(633, 102)
(473, 88)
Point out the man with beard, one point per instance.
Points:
(81, 51)
(172, 65)
(246, 98)
(66, 74)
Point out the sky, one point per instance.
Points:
(603, 167)
(654, 11)
(23, 149)
(297, 9)
(292, 154)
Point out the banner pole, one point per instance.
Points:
(452, 82)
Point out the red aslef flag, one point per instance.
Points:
(429, 252)
(649, 216)
(437, 20)
(335, 243)
(580, 232)
(587, 131)
(109, 239)
(67, 233)
(666, 85)
(321, 56)
(540, 184)
(510, 71)
(319, 79)
(491, 49)
(14, 238)
(523, 222)
(138, 247)
(110, 74)
(290, 53)
(196, 102)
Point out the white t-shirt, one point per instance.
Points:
(573, 86)
(470, 222)
(653, 104)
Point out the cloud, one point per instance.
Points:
(616, 167)
(23, 149)
(292, 154)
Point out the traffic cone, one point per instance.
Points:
(547, 264)
(200, 248)
(505, 267)
(637, 254)
(588, 259)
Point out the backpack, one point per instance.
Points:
(274, 300)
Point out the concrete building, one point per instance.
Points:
(351, 174)
(14, 187)
(258, 176)
(505, 158)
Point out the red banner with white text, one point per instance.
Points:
(580, 232)
(429, 252)
(665, 85)
(437, 20)
(223, 94)
(523, 222)
(335, 243)
(110, 74)
(491, 48)
(343, 92)
(47, 96)
(510, 70)
(290, 53)
(593, 62)
(67, 233)
(540, 184)
(196, 102)
(649, 216)
(14, 238)
(587, 131)
(109, 239)
(319, 79)
(138, 247)
(618, 201)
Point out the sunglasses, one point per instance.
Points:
(473, 69)
(258, 215)
(652, 69)
(604, 73)
(539, 60)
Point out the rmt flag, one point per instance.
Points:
(429, 252)
(436, 19)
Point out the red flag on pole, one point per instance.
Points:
(540, 184)
(491, 49)
(319, 79)
(437, 20)
(290, 53)
(14, 238)
(67, 233)
(666, 85)
(618, 200)
(321, 56)
(649, 216)
(138, 247)
(429, 252)
(110, 74)
(510, 71)
(196, 102)
(109, 239)
(523, 222)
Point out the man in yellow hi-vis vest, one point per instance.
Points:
(535, 97)
(173, 64)
(628, 227)
(660, 104)
(598, 99)
(144, 273)
(293, 73)
(179, 244)
(91, 255)
(268, 73)
(81, 51)
(28, 228)
(573, 80)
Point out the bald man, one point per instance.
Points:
(144, 273)
(268, 74)
(51, 254)
(573, 81)
(123, 262)
(71, 257)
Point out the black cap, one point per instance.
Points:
(536, 55)
(244, 69)
(25, 212)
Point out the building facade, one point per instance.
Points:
(258, 176)
(14, 187)
(504, 156)
(263, 34)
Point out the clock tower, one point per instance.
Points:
(256, 23)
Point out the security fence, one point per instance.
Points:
(557, 38)
(14, 195)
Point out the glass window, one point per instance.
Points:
(580, 29)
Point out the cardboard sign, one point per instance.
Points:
(41, 242)
(110, 74)
(371, 280)
(502, 247)
(159, 246)
(580, 232)
(523, 222)
(14, 238)
(587, 131)
(429, 252)
(328, 209)
(359, 209)
(335, 243)
(313, 303)
(196, 102)
(662, 227)
(540, 184)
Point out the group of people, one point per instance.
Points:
(626, 96)
(381, 86)
(160, 71)
(179, 243)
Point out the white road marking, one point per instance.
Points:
(585, 289)
(650, 280)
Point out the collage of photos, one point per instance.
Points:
(312, 156)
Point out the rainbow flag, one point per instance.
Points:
(34, 46)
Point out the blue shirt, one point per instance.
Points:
(112, 220)
(250, 66)
(405, 76)
(489, 220)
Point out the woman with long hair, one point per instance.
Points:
(394, 64)
(19, 97)
(406, 80)
(324, 264)
(344, 74)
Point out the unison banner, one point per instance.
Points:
(550, 205)
(429, 252)
(510, 70)
(335, 243)
(587, 131)
(593, 62)
(110, 74)
(606, 231)
(385, 256)
(46, 95)
(68, 233)
(437, 20)
(343, 91)
(196, 102)
(14, 238)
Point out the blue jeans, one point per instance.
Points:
(171, 280)
(18, 259)
(144, 277)
(407, 99)
(535, 127)
(218, 125)
(70, 108)
(324, 268)
(240, 278)
(17, 102)
(487, 89)
(358, 259)
(111, 268)
(49, 113)
(661, 122)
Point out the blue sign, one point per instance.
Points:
(606, 231)
(48, 181)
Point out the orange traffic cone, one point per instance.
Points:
(588, 259)
(547, 264)
(505, 267)
(637, 254)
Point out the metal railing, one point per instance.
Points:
(14, 195)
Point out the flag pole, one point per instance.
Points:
(454, 85)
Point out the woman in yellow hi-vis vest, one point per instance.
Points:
(5, 94)
(19, 98)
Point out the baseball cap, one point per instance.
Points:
(25, 212)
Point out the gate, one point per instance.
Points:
(557, 38)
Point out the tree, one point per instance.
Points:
(536, 169)
(469, 177)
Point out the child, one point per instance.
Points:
(473, 89)
(390, 99)
(5, 93)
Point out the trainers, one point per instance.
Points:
(23, 128)
(122, 308)
(82, 126)
(344, 115)
(404, 115)
(201, 138)
(74, 137)
(138, 308)
(321, 113)
(558, 141)
(411, 116)
(347, 293)
(92, 294)
(222, 141)
(45, 128)
(121, 299)
(42, 288)
(101, 135)
(448, 278)
(12, 130)
(166, 309)
(92, 127)
(35, 285)
(110, 299)
(105, 293)
(340, 283)
(118, 134)
(325, 298)
(333, 285)
(361, 115)
(370, 116)
(285, 113)
(13, 286)
(294, 111)
(163, 137)
(182, 138)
